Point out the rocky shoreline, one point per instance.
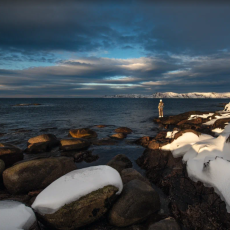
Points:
(191, 204)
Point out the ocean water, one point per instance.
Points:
(58, 116)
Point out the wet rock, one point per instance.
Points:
(154, 144)
(166, 224)
(82, 133)
(120, 162)
(2, 167)
(136, 203)
(83, 211)
(74, 144)
(123, 130)
(173, 120)
(105, 142)
(130, 174)
(10, 154)
(101, 126)
(42, 143)
(119, 135)
(143, 141)
(161, 135)
(36, 174)
(221, 123)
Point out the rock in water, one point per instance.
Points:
(15, 215)
(136, 203)
(119, 135)
(166, 224)
(42, 143)
(2, 167)
(123, 130)
(120, 162)
(36, 174)
(10, 154)
(88, 194)
(74, 144)
(82, 133)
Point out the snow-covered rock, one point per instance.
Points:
(79, 197)
(208, 160)
(171, 134)
(15, 216)
(227, 107)
(75, 185)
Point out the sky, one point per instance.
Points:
(95, 48)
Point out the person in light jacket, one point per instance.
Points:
(160, 108)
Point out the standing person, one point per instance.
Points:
(160, 108)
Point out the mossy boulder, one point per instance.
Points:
(136, 203)
(82, 133)
(10, 154)
(36, 174)
(83, 211)
(74, 144)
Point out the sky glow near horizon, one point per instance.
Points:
(96, 48)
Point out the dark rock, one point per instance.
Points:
(101, 126)
(130, 174)
(36, 174)
(10, 154)
(2, 167)
(105, 142)
(119, 135)
(27, 104)
(143, 141)
(180, 133)
(120, 162)
(74, 144)
(166, 224)
(83, 211)
(123, 130)
(42, 143)
(221, 123)
(136, 203)
(82, 133)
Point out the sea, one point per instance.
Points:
(57, 116)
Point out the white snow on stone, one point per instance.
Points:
(227, 107)
(208, 160)
(217, 117)
(171, 134)
(183, 143)
(217, 131)
(15, 216)
(202, 116)
(75, 185)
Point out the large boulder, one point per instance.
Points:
(2, 167)
(136, 203)
(74, 144)
(10, 154)
(130, 174)
(143, 141)
(123, 130)
(120, 162)
(82, 133)
(166, 224)
(88, 194)
(42, 143)
(15, 215)
(180, 133)
(36, 174)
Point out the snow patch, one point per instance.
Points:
(15, 216)
(227, 107)
(202, 116)
(208, 160)
(75, 185)
(171, 134)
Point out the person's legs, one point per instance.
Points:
(159, 112)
